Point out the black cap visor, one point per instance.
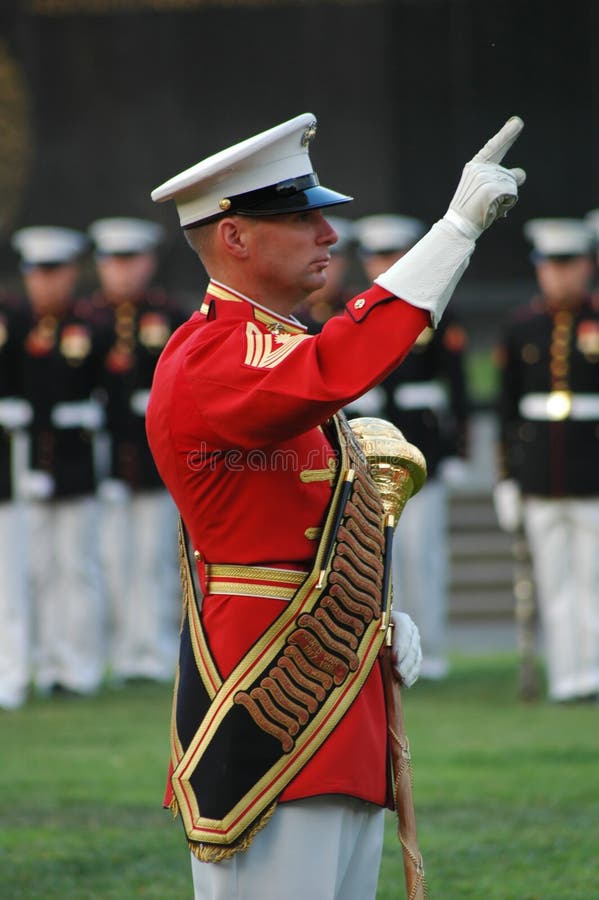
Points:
(294, 195)
(538, 257)
(290, 196)
(47, 265)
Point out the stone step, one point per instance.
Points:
(479, 544)
(490, 604)
(470, 513)
(481, 573)
(481, 563)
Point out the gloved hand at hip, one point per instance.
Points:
(507, 501)
(405, 650)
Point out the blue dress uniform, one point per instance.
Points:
(59, 368)
(426, 398)
(139, 530)
(15, 414)
(549, 414)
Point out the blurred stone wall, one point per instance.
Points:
(101, 101)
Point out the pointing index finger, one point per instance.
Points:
(496, 148)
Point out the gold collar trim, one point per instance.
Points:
(273, 321)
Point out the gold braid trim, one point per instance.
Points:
(419, 887)
(183, 571)
(215, 853)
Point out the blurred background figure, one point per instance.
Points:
(139, 523)
(426, 399)
(15, 414)
(592, 220)
(331, 299)
(60, 364)
(549, 418)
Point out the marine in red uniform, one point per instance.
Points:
(278, 737)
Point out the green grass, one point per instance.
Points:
(507, 795)
(482, 376)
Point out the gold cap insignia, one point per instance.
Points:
(309, 134)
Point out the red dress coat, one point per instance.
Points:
(235, 423)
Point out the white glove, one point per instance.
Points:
(35, 484)
(405, 650)
(486, 190)
(426, 276)
(114, 490)
(139, 402)
(507, 500)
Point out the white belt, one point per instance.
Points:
(369, 404)
(420, 395)
(139, 402)
(559, 405)
(78, 414)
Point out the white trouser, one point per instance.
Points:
(140, 555)
(67, 597)
(321, 848)
(564, 543)
(14, 608)
(420, 571)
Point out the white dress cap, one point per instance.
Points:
(559, 237)
(388, 233)
(48, 245)
(124, 236)
(592, 220)
(267, 174)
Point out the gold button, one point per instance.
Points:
(197, 554)
(360, 303)
(224, 204)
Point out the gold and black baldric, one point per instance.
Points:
(237, 743)
(345, 494)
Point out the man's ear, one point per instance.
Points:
(232, 233)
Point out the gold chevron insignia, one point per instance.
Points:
(265, 351)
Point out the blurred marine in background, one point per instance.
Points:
(60, 366)
(330, 300)
(15, 414)
(426, 398)
(549, 415)
(139, 525)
